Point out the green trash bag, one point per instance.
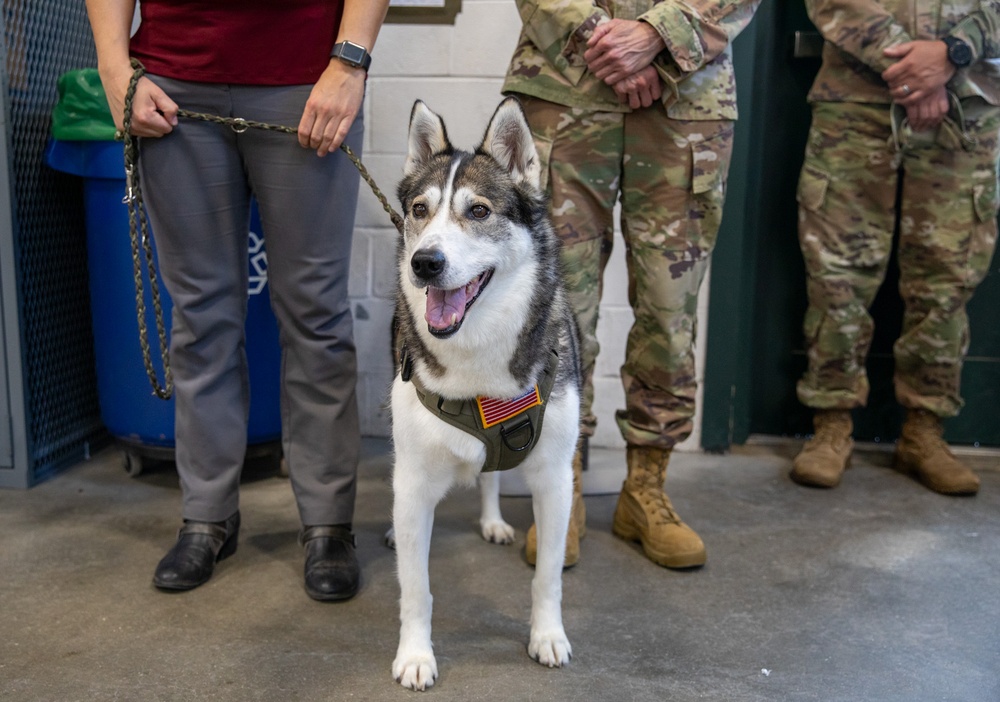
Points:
(82, 113)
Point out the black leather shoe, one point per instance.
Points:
(332, 571)
(200, 545)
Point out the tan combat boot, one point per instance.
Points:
(577, 519)
(923, 454)
(644, 513)
(826, 456)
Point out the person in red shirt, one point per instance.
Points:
(300, 62)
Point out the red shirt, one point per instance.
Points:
(248, 42)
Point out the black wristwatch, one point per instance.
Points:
(959, 53)
(352, 54)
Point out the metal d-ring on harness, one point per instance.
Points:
(138, 222)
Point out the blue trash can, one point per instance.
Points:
(140, 421)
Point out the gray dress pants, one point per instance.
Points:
(197, 184)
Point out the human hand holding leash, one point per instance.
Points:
(619, 48)
(154, 114)
(331, 108)
(922, 68)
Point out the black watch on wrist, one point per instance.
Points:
(352, 54)
(959, 53)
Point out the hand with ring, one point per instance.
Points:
(920, 68)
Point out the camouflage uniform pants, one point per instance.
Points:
(948, 231)
(669, 177)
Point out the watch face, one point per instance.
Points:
(352, 53)
(959, 53)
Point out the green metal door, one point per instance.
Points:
(755, 350)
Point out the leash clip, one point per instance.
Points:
(239, 125)
(129, 191)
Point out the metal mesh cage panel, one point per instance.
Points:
(43, 39)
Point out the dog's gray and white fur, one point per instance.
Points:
(480, 306)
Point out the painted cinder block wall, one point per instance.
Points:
(458, 71)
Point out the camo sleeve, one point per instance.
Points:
(560, 29)
(981, 30)
(861, 28)
(697, 31)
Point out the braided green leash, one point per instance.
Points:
(139, 224)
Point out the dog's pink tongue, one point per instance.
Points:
(445, 308)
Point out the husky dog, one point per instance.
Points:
(481, 314)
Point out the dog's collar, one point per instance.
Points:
(509, 428)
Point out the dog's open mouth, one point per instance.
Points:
(446, 308)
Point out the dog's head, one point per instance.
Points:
(468, 216)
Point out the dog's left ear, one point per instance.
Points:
(508, 140)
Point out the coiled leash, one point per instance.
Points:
(139, 224)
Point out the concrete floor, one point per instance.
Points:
(877, 591)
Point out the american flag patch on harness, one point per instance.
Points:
(493, 411)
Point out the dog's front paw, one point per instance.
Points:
(416, 671)
(551, 648)
(497, 531)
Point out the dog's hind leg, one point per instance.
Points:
(494, 528)
(552, 496)
(415, 497)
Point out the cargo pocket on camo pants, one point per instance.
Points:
(709, 168)
(544, 148)
(983, 241)
(710, 163)
(811, 196)
(813, 184)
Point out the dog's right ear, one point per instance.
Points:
(508, 140)
(427, 137)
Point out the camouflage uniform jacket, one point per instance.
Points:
(857, 31)
(696, 65)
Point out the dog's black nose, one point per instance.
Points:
(427, 263)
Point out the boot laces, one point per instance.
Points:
(659, 506)
(926, 433)
(932, 444)
(829, 433)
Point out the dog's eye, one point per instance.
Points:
(480, 211)
(419, 210)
